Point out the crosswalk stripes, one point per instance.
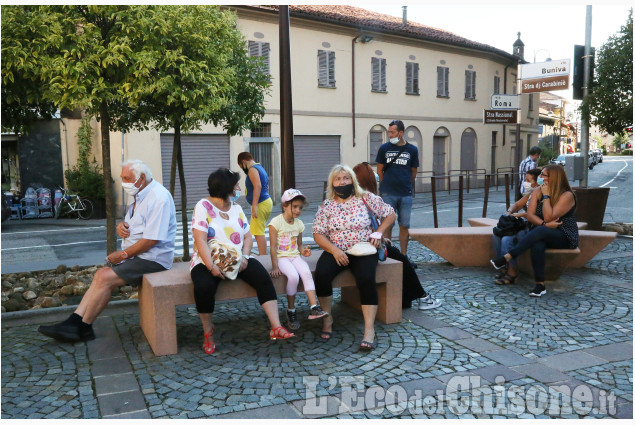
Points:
(178, 242)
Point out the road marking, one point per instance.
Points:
(51, 246)
(57, 230)
(618, 173)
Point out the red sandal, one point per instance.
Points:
(280, 333)
(209, 346)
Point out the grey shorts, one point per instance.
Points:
(133, 269)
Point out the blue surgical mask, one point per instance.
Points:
(235, 197)
(540, 181)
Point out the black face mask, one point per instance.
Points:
(344, 191)
(245, 170)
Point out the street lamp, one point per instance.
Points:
(542, 50)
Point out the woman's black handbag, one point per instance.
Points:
(508, 225)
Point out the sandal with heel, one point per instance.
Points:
(506, 280)
(209, 346)
(280, 333)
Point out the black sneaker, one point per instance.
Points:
(498, 262)
(538, 290)
(316, 312)
(66, 332)
(292, 320)
(86, 334)
(413, 264)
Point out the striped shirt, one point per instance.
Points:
(526, 165)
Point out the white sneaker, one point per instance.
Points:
(428, 302)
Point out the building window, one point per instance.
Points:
(379, 74)
(326, 68)
(497, 85)
(376, 140)
(262, 129)
(531, 102)
(412, 78)
(470, 85)
(443, 81)
(261, 49)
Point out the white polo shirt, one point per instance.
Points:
(154, 218)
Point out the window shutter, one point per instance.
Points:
(375, 74)
(254, 48)
(473, 92)
(447, 82)
(408, 77)
(264, 52)
(331, 72)
(322, 68)
(497, 85)
(468, 83)
(440, 84)
(383, 74)
(415, 78)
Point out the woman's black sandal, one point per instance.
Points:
(506, 280)
(500, 275)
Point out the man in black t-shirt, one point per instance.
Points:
(397, 163)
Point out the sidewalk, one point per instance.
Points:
(576, 342)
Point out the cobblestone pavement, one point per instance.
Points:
(487, 352)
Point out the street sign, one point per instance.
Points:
(504, 101)
(545, 69)
(544, 84)
(493, 116)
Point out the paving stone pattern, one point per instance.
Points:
(577, 334)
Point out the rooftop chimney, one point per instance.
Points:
(405, 16)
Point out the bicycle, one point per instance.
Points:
(72, 203)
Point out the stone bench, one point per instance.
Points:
(492, 222)
(591, 242)
(472, 247)
(161, 292)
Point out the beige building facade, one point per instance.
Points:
(353, 71)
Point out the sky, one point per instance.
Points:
(548, 29)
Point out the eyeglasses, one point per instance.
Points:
(544, 175)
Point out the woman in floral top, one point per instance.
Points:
(217, 218)
(341, 222)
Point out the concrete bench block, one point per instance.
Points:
(591, 243)
(460, 246)
(492, 222)
(161, 292)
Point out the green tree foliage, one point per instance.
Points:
(201, 73)
(610, 105)
(23, 99)
(86, 177)
(619, 140)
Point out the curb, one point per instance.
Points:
(25, 314)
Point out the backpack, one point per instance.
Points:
(508, 225)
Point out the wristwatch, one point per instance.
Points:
(124, 254)
(545, 196)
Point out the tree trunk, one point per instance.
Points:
(176, 147)
(184, 220)
(111, 239)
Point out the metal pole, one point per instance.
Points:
(486, 198)
(506, 191)
(461, 201)
(433, 181)
(286, 107)
(585, 92)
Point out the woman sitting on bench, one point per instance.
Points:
(552, 215)
(342, 229)
(217, 218)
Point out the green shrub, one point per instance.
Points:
(546, 155)
(86, 178)
(627, 152)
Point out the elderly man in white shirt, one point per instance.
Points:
(148, 232)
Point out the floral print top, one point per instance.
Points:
(348, 223)
(229, 227)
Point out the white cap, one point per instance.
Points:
(289, 194)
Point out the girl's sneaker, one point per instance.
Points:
(292, 320)
(316, 312)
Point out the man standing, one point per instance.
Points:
(397, 163)
(528, 163)
(147, 231)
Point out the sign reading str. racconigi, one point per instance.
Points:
(544, 84)
(492, 116)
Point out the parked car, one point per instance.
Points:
(560, 159)
(592, 160)
(598, 155)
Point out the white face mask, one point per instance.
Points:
(394, 140)
(527, 186)
(130, 188)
